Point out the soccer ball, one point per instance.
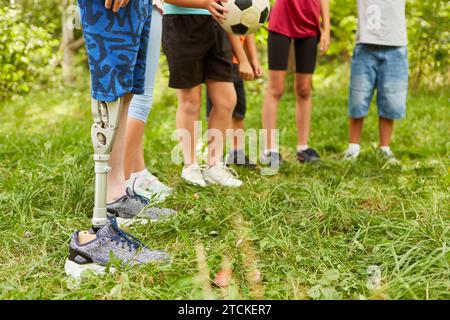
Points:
(245, 17)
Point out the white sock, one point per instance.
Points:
(354, 148)
(139, 174)
(130, 181)
(267, 151)
(302, 147)
(385, 148)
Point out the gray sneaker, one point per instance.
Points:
(132, 207)
(95, 255)
(388, 155)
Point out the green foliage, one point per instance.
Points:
(26, 53)
(429, 40)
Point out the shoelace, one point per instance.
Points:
(198, 170)
(138, 197)
(226, 172)
(124, 237)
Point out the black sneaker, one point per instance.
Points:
(238, 158)
(307, 156)
(272, 159)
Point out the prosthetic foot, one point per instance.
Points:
(91, 251)
(106, 122)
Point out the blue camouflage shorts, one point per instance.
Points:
(116, 44)
(380, 68)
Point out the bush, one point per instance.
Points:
(429, 41)
(27, 54)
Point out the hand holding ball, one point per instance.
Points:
(245, 17)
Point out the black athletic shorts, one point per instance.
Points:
(305, 52)
(241, 105)
(197, 49)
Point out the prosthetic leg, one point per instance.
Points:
(104, 130)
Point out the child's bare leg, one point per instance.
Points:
(355, 126)
(133, 151)
(238, 142)
(139, 163)
(116, 177)
(274, 93)
(386, 127)
(303, 91)
(187, 114)
(223, 97)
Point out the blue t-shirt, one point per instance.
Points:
(172, 9)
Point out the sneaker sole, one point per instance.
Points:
(76, 270)
(212, 182)
(154, 197)
(123, 223)
(301, 160)
(193, 183)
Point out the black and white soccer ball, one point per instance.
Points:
(245, 17)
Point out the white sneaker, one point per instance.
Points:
(222, 175)
(193, 174)
(389, 156)
(150, 187)
(351, 155)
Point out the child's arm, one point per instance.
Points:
(213, 6)
(250, 44)
(245, 68)
(117, 4)
(159, 4)
(325, 38)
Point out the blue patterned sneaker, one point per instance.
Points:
(133, 208)
(109, 241)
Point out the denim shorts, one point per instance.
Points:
(380, 68)
(116, 45)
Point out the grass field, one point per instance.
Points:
(311, 232)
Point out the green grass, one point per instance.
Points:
(311, 231)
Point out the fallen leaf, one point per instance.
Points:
(223, 277)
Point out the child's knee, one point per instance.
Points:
(191, 105)
(276, 90)
(226, 106)
(303, 91)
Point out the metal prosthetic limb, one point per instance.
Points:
(104, 130)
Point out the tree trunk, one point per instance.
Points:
(67, 38)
